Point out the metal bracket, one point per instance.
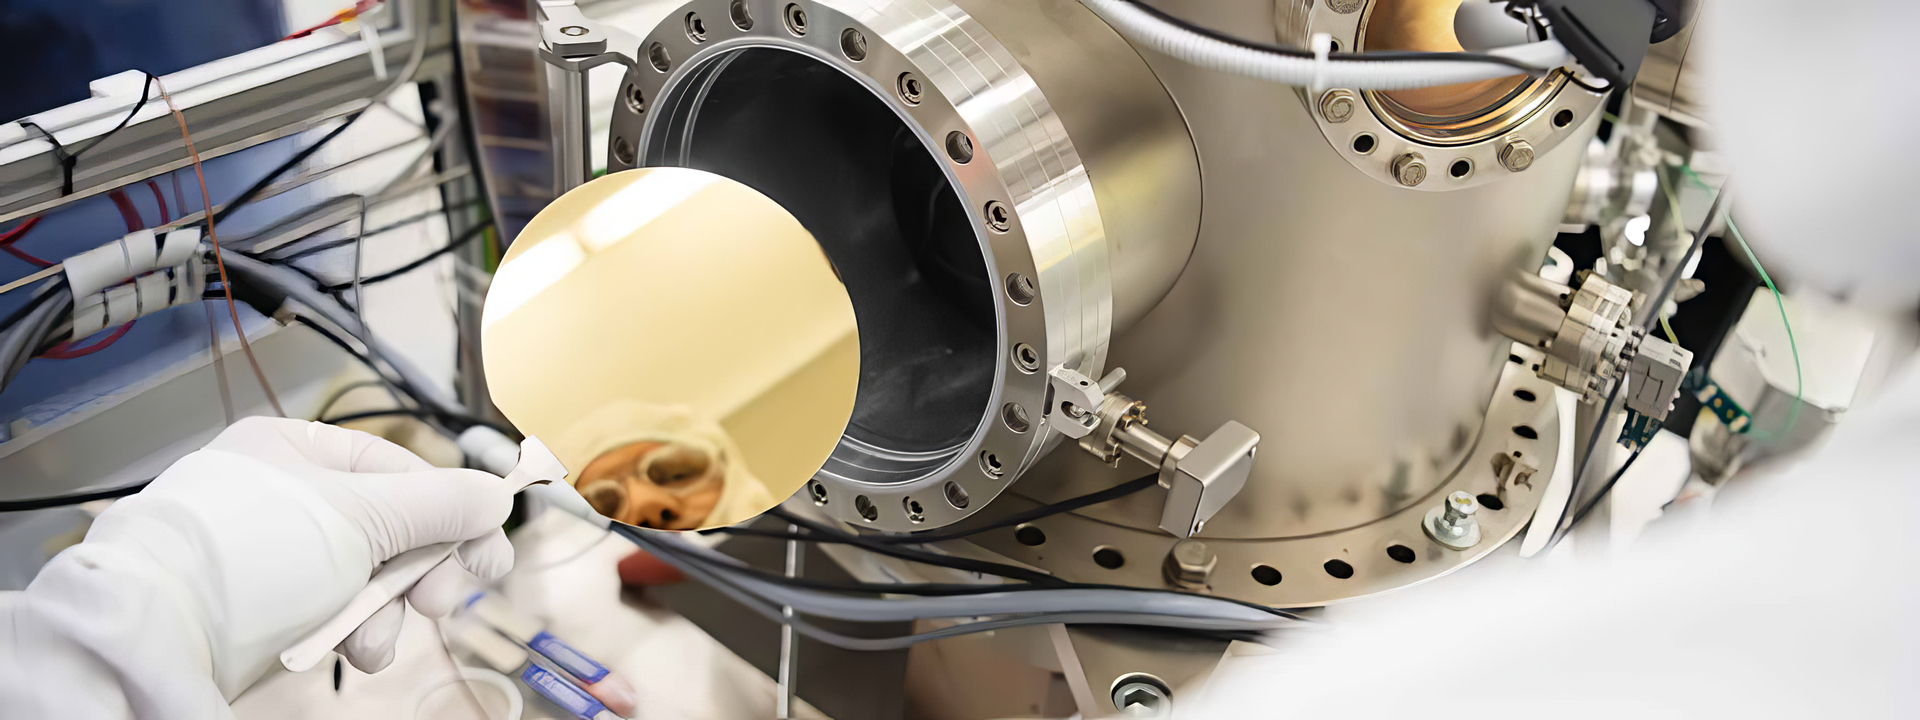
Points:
(1075, 404)
(571, 44)
(1204, 478)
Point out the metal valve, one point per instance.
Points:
(1200, 476)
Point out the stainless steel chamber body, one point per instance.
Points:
(1321, 298)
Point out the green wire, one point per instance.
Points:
(1669, 330)
(1799, 380)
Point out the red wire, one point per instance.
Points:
(67, 351)
(159, 200)
(358, 9)
(20, 231)
(127, 211)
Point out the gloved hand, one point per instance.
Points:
(242, 548)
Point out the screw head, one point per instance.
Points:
(1189, 563)
(1460, 505)
(1344, 7)
(1336, 106)
(1452, 524)
(1141, 699)
(1410, 169)
(573, 31)
(1516, 155)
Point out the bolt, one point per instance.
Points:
(1189, 563)
(1344, 7)
(1410, 169)
(1141, 700)
(1336, 106)
(1517, 155)
(573, 31)
(1453, 524)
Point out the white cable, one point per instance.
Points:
(1199, 50)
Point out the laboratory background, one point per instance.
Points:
(959, 359)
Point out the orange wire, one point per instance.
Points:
(226, 286)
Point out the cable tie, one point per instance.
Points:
(1322, 46)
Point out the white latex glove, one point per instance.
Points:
(184, 594)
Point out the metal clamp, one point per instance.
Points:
(571, 44)
(1200, 476)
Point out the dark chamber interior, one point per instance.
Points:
(876, 199)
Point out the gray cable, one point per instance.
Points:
(1172, 606)
(713, 578)
(27, 334)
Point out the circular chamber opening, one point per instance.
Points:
(877, 197)
(1029, 536)
(635, 101)
(657, 57)
(1266, 575)
(817, 491)
(1491, 501)
(1400, 553)
(915, 513)
(1016, 418)
(1463, 112)
(1524, 394)
(1021, 289)
(956, 495)
(853, 44)
(740, 14)
(1526, 431)
(865, 507)
(1563, 118)
(1338, 568)
(1108, 558)
(696, 28)
(1460, 169)
(959, 147)
(1364, 143)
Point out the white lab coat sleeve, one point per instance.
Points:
(103, 632)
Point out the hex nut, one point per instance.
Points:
(1516, 155)
(1410, 169)
(1189, 563)
(1336, 106)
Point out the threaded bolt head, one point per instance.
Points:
(1189, 563)
(1516, 155)
(1410, 169)
(1336, 106)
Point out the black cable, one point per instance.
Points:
(1595, 501)
(261, 185)
(68, 160)
(422, 411)
(1094, 498)
(40, 295)
(331, 244)
(42, 503)
(464, 238)
(957, 563)
(1367, 56)
(1653, 318)
(465, 421)
(397, 383)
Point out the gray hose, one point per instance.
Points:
(1170, 606)
(26, 334)
(713, 577)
